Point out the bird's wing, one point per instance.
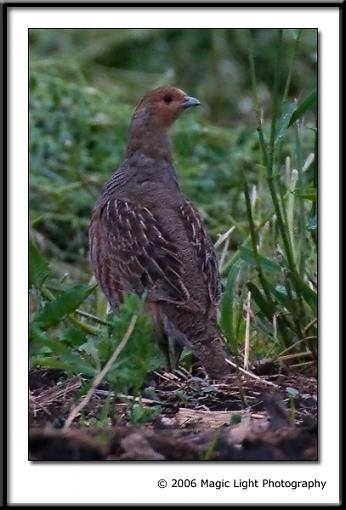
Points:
(204, 249)
(130, 253)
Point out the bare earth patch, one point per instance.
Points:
(273, 417)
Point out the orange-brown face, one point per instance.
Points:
(165, 104)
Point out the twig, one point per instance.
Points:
(168, 376)
(224, 253)
(224, 237)
(294, 345)
(310, 324)
(305, 364)
(250, 374)
(99, 377)
(247, 331)
(275, 326)
(178, 384)
(143, 400)
(93, 317)
(296, 355)
(182, 374)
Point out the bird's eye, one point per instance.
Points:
(167, 99)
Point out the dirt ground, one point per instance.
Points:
(268, 414)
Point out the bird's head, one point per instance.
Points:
(162, 106)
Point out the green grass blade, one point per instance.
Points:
(304, 106)
(38, 267)
(265, 263)
(227, 318)
(62, 306)
(284, 121)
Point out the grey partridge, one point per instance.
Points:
(147, 238)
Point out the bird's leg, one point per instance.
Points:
(110, 312)
(177, 342)
(109, 319)
(177, 349)
(171, 349)
(164, 345)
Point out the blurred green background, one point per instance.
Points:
(212, 64)
(84, 86)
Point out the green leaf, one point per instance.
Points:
(264, 327)
(57, 348)
(310, 296)
(308, 193)
(63, 305)
(227, 306)
(266, 264)
(90, 348)
(307, 292)
(260, 301)
(72, 362)
(305, 105)
(139, 414)
(103, 417)
(73, 336)
(38, 267)
(46, 362)
(235, 419)
(131, 368)
(280, 293)
(284, 121)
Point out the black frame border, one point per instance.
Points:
(4, 285)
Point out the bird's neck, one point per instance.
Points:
(149, 140)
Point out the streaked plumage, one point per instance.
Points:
(147, 238)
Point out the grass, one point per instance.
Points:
(257, 176)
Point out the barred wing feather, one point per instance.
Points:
(130, 253)
(204, 249)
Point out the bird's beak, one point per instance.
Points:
(190, 101)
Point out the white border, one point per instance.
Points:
(135, 482)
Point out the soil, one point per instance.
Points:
(268, 414)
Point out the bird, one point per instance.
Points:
(147, 238)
